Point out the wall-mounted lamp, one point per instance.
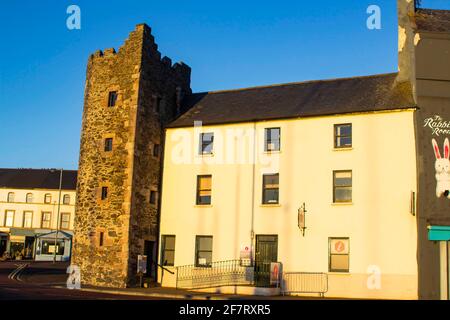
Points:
(301, 218)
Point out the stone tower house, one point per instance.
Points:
(129, 96)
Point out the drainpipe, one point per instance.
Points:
(252, 231)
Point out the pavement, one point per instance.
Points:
(47, 280)
(22, 280)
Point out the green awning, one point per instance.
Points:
(439, 233)
(22, 232)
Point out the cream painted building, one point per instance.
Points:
(353, 165)
(29, 213)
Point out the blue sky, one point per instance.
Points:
(228, 44)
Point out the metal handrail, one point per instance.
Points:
(304, 282)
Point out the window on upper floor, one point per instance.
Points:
(153, 197)
(66, 199)
(9, 218)
(104, 193)
(206, 143)
(157, 103)
(338, 254)
(343, 135)
(272, 139)
(47, 198)
(342, 186)
(65, 221)
(46, 220)
(204, 189)
(156, 150)
(10, 197)
(29, 198)
(108, 144)
(28, 219)
(270, 188)
(112, 98)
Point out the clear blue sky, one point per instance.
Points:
(228, 44)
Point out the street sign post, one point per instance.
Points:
(141, 267)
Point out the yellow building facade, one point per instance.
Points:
(374, 225)
(29, 212)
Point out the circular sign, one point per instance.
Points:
(339, 246)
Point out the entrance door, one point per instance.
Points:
(149, 251)
(266, 252)
(3, 243)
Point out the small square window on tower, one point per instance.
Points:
(112, 98)
(157, 104)
(156, 150)
(153, 197)
(108, 144)
(104, 193)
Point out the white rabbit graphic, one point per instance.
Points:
(442, 167)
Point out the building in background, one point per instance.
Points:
(29, 209)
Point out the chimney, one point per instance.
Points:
(406, 53)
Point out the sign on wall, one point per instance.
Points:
(142, 264)
(440, 128)
(275, 270)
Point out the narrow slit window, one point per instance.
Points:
(112, 99)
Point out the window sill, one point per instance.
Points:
(269, 205)
(203, 206)
(342, 204)
(340, 273)
(272, 152)
(205, 155)
(343, 149)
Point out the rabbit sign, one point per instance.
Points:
(442, 166)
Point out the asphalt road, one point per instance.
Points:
(13, 289)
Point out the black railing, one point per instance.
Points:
(217, 274)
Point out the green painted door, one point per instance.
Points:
(266, 252)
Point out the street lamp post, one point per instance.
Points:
(57, 218)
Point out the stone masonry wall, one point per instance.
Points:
(126, 218)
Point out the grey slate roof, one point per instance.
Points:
(37, 179)
(433, 20)
(303, 99)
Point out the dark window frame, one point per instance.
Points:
(153, 197)
(104, 193)
(112, 98)
(49, 196)
(343, 186)
(330, 269)
(338, 136)
(268, 139)
(11, 197)
(197, 251)
(44, 213)
(198, 197)
(101, 239)
(6, 218)
(205, 143)
(264, 188)
(164, 250)
(62, 221)
(108, 145)
(156, 150)
(28, 196)
(65, 197)
(23, 219)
